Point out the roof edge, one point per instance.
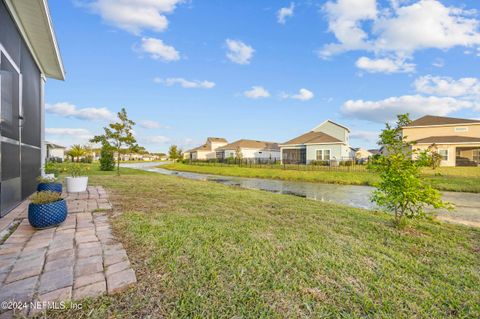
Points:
(47, 18)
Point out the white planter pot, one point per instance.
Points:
(76, 184)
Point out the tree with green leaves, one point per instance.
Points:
(238, 154)
(107, 162)
(174, 153)
(401, 190)
(118, 136)
(76, 151)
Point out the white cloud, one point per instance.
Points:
(284, 13)
(66, 109)
(344, 21)
(446, 86)
(302, 95)
(239, 52)
(438, 63)
(385, 65)
(159, 50)
(68, 136)
(256, 92)
(366, 136)
(148, 124)
(417, 105)
(399, 29)
(134, 15)
(188, 84)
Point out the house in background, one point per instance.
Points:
(28, 55)
(54, 152)
(326, 142)
(250, 150)
(207, 150)
(362, 155)
(456, 140)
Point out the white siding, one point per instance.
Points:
(335, 151)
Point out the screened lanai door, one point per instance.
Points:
(10, 136)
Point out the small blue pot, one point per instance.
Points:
(47, 215)
(52, 187)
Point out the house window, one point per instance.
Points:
(461, 129)
(323, 155)
(443, 154)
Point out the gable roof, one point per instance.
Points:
(250, 144)
(335, 123)
(35, 24)
(448, 139)
(216, 139)
(203, 147)
(430, 120)
(313, 138)
(53, 145)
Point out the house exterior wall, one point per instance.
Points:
(336, 151)
(416, 133)
(21, 146)
(56, 153)
(333, 130)
(254, 153)
(451, 148)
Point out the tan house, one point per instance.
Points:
(251, 150)
(362, 154)
(456, 140)
(207, 150)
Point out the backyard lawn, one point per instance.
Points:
(205, 250)
(458, 179)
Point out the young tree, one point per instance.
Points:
(118, 136)
(238, 154)
(401, 190)
(76, 151)
(173, 153)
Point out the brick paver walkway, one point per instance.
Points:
(78, 259)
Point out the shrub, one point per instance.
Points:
(76, 169)
(52, 168)
(45, 197)
(318, 163)
(46, 180)
(107, 163)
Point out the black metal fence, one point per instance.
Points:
(349, 165)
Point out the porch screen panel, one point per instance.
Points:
(30, 169)
(30, 100)
(10, 99)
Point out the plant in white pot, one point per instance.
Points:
(77, 181)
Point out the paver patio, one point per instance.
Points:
(77, 259)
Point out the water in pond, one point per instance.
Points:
(467, 205)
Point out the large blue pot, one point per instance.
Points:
(47, 215)
(52, 187)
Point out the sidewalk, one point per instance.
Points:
(78, 259)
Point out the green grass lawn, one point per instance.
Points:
(205, 250)
(458, 179)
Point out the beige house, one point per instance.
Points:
(251, 150)
(456, 140)
(362, 154)
(54, 151)
(207, 150)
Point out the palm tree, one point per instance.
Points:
(76, 151)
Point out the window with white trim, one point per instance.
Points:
(461, 129)
(323, 155)
(443, 154)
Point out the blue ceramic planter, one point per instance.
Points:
(52, 187)
(47, 215)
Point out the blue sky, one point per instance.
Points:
(265, 70)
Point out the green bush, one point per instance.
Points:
(45, 197)
(107, 163)
(52, 168)
(318, 163)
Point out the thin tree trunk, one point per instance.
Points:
(118, 163)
